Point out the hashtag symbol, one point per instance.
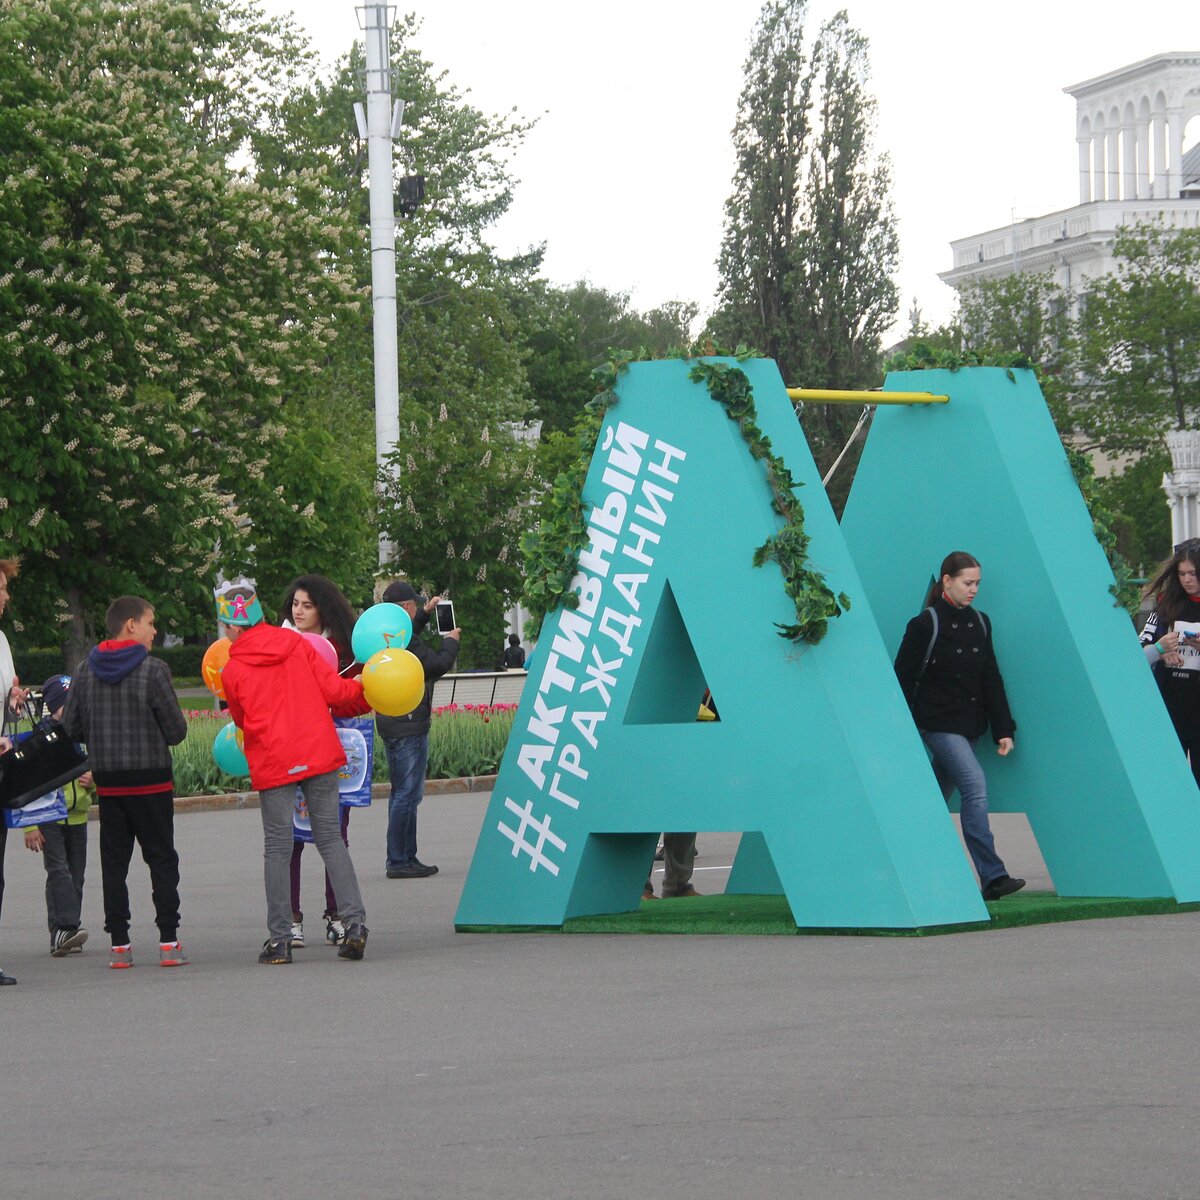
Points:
(534, 848)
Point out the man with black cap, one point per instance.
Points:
(407, 738)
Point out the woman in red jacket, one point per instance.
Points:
(313, 604)
(280, 693)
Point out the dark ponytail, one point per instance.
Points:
(953, 564)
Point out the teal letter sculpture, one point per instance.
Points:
(1097, 767)
(815, 758)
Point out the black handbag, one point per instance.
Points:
(40, 762)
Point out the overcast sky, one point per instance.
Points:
(625, 176)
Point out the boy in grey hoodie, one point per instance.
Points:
(122, 705)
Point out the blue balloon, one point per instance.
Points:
(228, 754)
(381, 627)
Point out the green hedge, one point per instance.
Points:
(183, 660)
(462, 741)
(33, 666)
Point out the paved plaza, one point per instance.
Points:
(1055, 1061)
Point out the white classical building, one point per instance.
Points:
(1131, 129)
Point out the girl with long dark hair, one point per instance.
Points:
(313, 604)
(948, 671)
(1171, 638)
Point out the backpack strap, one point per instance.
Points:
(928, 650)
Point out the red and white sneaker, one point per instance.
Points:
(170, 954)
(120, 957)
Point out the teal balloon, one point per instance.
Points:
(381, 627)
(228, 754)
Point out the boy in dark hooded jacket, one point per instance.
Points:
(122, 705)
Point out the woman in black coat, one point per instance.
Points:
(948, 671)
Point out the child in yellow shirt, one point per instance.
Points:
(63, 845)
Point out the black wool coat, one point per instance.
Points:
(962, 690)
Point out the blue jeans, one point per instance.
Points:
(407, 758)
(956, 767)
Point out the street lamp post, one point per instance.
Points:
(378, 126)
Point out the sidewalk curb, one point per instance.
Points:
(379, 791)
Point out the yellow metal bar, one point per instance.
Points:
(826, 396)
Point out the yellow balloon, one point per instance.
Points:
(393, 682)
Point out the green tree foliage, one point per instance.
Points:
(1085, 366)
(809, 247)
(456, 510)
(570, 331)
(156, 305)
(1117, 374)
(449, 501)
(456, 345)
(849, 247)
(1025, 315)
(327, 520)
(1139, 361)
(1142, 521)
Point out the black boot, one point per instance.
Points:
(355, 944)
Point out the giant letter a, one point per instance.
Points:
(815, 758)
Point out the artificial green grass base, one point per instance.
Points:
(771, 915)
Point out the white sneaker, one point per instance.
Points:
(296, 937)
(335, 931)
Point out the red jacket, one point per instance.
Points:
(280, 692)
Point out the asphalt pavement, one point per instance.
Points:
(1055, 1061)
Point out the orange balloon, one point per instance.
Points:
(213, 663)
(393, 682)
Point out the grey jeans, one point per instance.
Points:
(276, 805)
(65, 857)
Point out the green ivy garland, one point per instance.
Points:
(552, 551)
(922, 357)
(815, 603)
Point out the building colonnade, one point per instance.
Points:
(1130, 126)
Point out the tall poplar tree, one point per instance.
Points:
(809, 247)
